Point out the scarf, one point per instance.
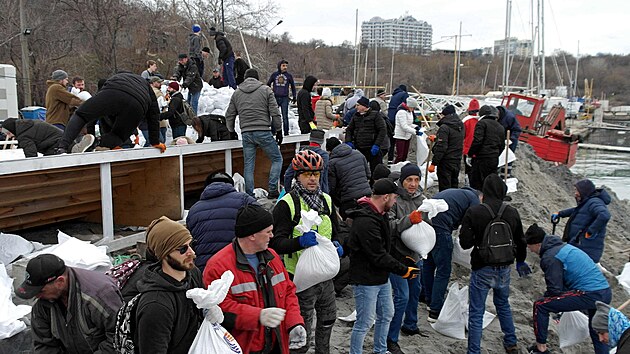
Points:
(617, 324)
(314, 199)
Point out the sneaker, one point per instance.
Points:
(273, 195)
(512, 349)
(533, 349)
(433, 316)
(85, 143)
(394, 348)
(409, 332)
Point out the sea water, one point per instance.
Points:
(608, 168)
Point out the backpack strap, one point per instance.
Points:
(501, 210)
(490, 210)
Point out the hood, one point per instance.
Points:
(217, 189)
(400, 88)
(341, 150)
(280, 63)
(249, 85)
(549, 242)
(154, 279)
(453, 121)
(503, 113)
(9, 124)
(52, 82)
(603, 195)
(309, 82)
(494, 188)
(366, 204)
(359, 93)
(585, 187)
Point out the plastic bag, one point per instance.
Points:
(422, 149)
(452, 319)
(460, 255)
(10, 314)
(13, 246)
(573, 328)
(512, 184)
(420, 238)
(511, 157)
(239, 182)
(624, 277)
(316, 264)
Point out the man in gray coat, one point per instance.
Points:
(259, 118)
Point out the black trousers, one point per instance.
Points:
(482, 168)
(448, 174)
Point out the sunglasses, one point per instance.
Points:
(183, 249)
(315, 174)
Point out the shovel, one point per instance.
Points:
(554, 222)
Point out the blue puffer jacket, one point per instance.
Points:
(289, 174)
(591, 215)
(399, 96)
(348, 174)
(568, 268)
(508, 121)
(211, 220)
(458, 200)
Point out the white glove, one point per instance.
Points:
(297, 337)
(214, 314)
(469, 161)
(272, 317)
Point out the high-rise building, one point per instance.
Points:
(404, 34)
(519, 48)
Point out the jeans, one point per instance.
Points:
(570, 301)
(228, 71)
(264, 140)
(193, 99)
(372, 301)
(283, 103)
(319, 298)
(481, 281)
(145, 133)
(436, 270)
(406, 298)
(162, 134)
(178, 130)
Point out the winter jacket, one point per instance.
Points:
(567, 268)
(489, 139)
(34, 136)
(175, 109)
(88, 324)
(509, 122)
(280, 82)
(477, 217)
(194, 45)
(224, 47)
(399, 222)
(58, 103)
(190, 74)
(352, 101)
(214, 127)
(458, 200)
(348, 175)
(470, 122)
(240, 66)
(449, 142)
(369, 244)
(211, 220)
(248, 296)
(347, 117)
(404, 128)
(305, 110)
(399, 96)
(366, 129)
(166, 320)
(254, 103)
(289, 174)
(324, 113)
(381, 104)
(216, 82)
(590, 215)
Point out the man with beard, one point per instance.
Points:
(167, 321)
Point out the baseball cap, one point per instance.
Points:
(386, 186)
(40, 271)
(153, 79)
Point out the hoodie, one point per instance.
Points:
(352, 101)
(509, 122)
(449, 142)
(254, 103)
(280, 82)
(305, 109)
(166, 321)
(34, 136)
(399, 96)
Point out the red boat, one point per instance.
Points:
(548, 135)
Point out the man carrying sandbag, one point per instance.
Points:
(307, 195)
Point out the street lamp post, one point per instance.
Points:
(304, 59)
(267, 34)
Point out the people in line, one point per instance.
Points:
(58, 100)
(366, 132)
(470, 122)
(399, 96)
(306, 115)
(390, 129)
(175, 110)
(381, 95)
(448, 149)
(280, 82)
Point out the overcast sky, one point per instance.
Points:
(600, 26)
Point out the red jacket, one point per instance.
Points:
(245, 299)
(469, 131)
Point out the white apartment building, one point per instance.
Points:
(519, 48)
(404, 34)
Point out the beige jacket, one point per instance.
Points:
(58, 103)
(324, 114)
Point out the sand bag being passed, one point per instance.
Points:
(212, 337)
(573, 328)
(420, 237)
(317, 263)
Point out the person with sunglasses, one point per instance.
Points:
(166, 321)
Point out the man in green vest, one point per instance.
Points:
(307, 195)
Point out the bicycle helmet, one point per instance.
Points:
(307, 160)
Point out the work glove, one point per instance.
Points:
(418, 131)
(307, 239)
(431, 168)
(335, 124)
(432, 137)
(415, 217)
(312, 125)
(412, 273)
(272, 317)
(279, 137)
(297, 337)
(137, 139)
(160, 146)
(374, 150)
(339, 248)
(469, 161)
(523, 269)
(214, 314)
(349, 143)
(588, 235)
(555, 217)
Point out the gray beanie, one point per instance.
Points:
(59, 75)
(600, 319)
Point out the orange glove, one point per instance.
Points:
(432, 138)
(335, 124)
(412, 273)
(137, 140)
(431, 168)
(337, 116)
(160, 146)
(415, 217)
(587, 235)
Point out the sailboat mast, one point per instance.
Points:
(577, 61)
(542, 42)
(356, 46)
(506, 51)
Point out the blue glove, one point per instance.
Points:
(307, 239)
(375, 149)
(555, 218)
(523, 269)
(339, 248)
(349, 143)
(418, 131)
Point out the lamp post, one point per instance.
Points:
(267, 34)
(304, 60)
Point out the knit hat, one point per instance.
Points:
(363, 101)
(40, 271)
(448, 109)
(585, 187)
(251, 73)
(59, 75)
(380, 92)
(332, 143)
(251, 219)
(326, 92)
(380, 171)
(182, 56)
(402, 87)
(165, 235)
(409, 169)
(489, 111)
(473, 106)
(534, 234)
(600, 319)
(317, 136)
(174, 85)
(219, 177)
(9, 125)
(153, 79)
(412, 102)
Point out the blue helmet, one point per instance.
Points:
(196, 28)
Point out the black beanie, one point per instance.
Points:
(332, 143)
(9, 124)
(448, 109)
(409, 169)
(252, 219)
(251, 73)
(380, 171)
(534, 234)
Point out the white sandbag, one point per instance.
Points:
(77, 253)
(573, 328)
(433, 207)
(420, 238)
(460, 255)
(12, 154)
(10, 314)
(511, 157)
(13, 246)
(239, 182)
(624, 277)
(452, 319)
(422, 148)
(260, 193)
(512, 184)
(398, 166)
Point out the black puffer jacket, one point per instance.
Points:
(190, 74)
(304, 106)
(489, 139)
(348, 175)
(449, 143)
(34, 135)
(224, 46)
(366, 130)
(214, 127)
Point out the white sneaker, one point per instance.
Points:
(84, 144)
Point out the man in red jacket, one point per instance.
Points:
(261, 309)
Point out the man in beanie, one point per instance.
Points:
(447, 149)
(612, 327)
(306, 115)
(487, 145)
(240, 66)
(574, 283)
(470, 122)
(261, 309)
(194, 48)
(380, 98)
(291, 242)
(586, 228)
(226, 56)
(75, 311)
(166, 320)
(175, 110)
(367, 132)
(316, 140)
(405, 129)
(399, 96)
(280, 81)
(259, 118)
(188, 72)
(59, 100)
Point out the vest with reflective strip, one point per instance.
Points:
(252, 286)
(324, 229)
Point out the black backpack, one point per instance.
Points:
(125, 327)
(497, 244)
